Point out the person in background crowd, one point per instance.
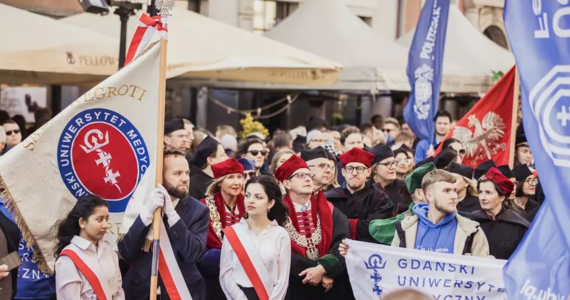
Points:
(333, 183)
(361, 201)
(467, 194)
(315, 123)
(262, 224)
(189, 127)
(226, 207)
(314, 139)
(523, 156)
(248, 168)
(384, 173)
(199, 136)
(279, 158)
(445, 158)
(366, 141)
(377, 121)
(175, 135)
(404, 161)
(80, 243)
(442, 127)
(403, 138)
(282, 140)
(406, 128)
(506, 170)
(483, 168)
(229, 143)
(318, 161)
(525, 190)
(13, 133)
(208, 153)
(225, 129)
(369, 131)
(9, 241)
(391, 128)
(383, 230)
(329, 142)
(338, 147)
(3, 147)
(351, 138)
(4, 116)
(436, 226)
(41, 117)
(315, 228)
(503, 227)
(21, 121)
(457, 146)
(406, 294)
(186, 222)
(253, 149)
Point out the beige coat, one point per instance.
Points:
(465, 228)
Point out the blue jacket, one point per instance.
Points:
(188, 237)
(436, 238)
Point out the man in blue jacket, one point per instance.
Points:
(442, 122)
(186, 222)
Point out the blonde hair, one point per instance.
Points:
(437, 176)
(225, 129)
(214, 186)
(277, 157)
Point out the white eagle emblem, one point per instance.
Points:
(482, 143)
(423, 91)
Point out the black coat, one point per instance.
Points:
(504, 233)
(361, 208)
(12, 234)
(469, 204)
(398, 193)
(199, 182)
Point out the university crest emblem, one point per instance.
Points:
(101, 152)
(423, 91)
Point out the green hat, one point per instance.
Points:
(414, 180)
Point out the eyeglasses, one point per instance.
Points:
(249, 174)
(256, 152)
(302, 175)
(532, 181)
(359, 170)
(9, 132)
(389, 164)
(322, 166)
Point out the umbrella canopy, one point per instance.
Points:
(38, 49)
(200, 47)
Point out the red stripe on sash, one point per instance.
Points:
(167, 278)
(246, 263)
(87, 272)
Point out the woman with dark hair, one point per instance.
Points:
(525, 191)
(86, 266)
(260, 240)
(254, 149)
(503, 227)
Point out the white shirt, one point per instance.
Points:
(70, 283)
(274, 247)
(302, 208)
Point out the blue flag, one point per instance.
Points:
(425, 64)
(539, 33)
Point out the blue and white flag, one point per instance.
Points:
(425, 64)
(539, 34)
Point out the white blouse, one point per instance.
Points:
(274, 246)
(103, 261)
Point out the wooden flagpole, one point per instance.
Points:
(516, 93)
(165, 6)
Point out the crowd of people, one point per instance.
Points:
(291, 199)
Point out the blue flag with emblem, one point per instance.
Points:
(539, 34)
(425, 64)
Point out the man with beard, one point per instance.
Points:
(442, 122)
(186, 222)
(316, 228)
(436, 226)
(384, 173)
(209, 152)
(318, 161)
(361, 201)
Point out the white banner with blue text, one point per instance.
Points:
(376, 270)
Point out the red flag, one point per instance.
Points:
(485, 131)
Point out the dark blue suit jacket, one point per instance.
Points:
(188, 238)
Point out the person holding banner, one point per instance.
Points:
(316, 228)
(86, 266)
(186, 231)
(436, 226)
(362, 200)
(226, 207)
(503, 227)
(256, 252)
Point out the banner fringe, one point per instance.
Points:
(10, 204)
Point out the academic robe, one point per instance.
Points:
(362, 207)
(199, 182)
(334, 228)
(397, 192)
(469, 204)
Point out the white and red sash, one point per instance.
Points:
(170, 271)
(143, 35)
(88, 274)
(250, 260)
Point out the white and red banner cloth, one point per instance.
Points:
(144, 34)
(376, 270)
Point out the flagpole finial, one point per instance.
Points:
(165, 8)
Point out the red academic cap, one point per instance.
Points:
(357, 155)
(501, 180)
(229, 166)
(289, 167)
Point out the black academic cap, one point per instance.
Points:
(173, 125)
(203, 151)
(318, 152)
(506, 170)
(444, 158)
(380, 152)
(428, 160)
(521, 172)
(483, 168)
(463, 170)
(448, 142)
(520, 138)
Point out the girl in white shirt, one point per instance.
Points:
(86, 265)
(261, 228)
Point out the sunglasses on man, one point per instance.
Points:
(9, 132)
(255, 152)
